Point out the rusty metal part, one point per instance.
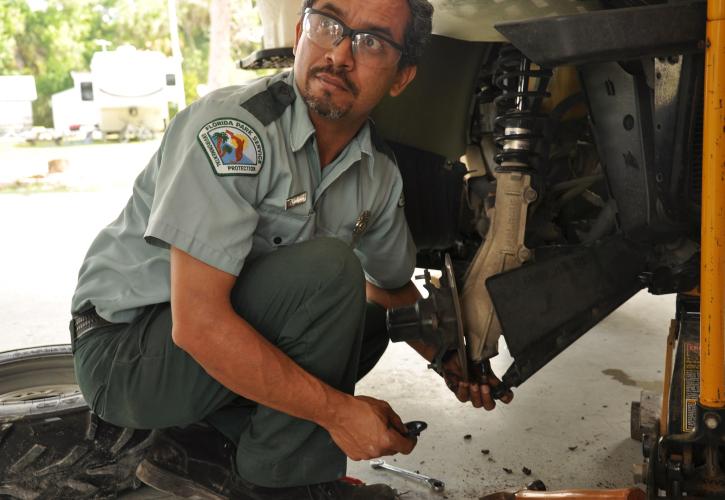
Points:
(616, 494)
(503, 250)
(704, 443)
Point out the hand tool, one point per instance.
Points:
(434, 484)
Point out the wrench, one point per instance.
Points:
(434, 484)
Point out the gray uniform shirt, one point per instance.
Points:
(237, 175)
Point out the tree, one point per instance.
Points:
(46, 43)
(220, 49)
(59, 36)
(12, 16)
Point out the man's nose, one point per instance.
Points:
(341, 55)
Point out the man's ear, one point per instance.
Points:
(402, 78)
(298, 33)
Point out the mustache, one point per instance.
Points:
(339, 73)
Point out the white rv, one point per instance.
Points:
(71, 114)
(132, 90)
(17, 93)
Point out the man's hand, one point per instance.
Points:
(478, 394)
(367, 428)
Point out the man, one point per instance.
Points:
(231, 289)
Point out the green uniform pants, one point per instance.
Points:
(309, 300)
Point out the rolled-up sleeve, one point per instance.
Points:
(208, 216)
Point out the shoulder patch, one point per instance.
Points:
(232, 147)
(380, 144)
(269, 104)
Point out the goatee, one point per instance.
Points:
(323, 105)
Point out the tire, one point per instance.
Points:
(51, 445)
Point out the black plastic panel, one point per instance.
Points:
(610, 35)
(545, 306)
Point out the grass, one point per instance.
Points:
(69, 143)
(19, 187)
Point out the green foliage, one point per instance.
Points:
(12, 22)
(44, 44)
(59, 36)
(194, 41)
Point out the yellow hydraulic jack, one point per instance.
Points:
(712, 270)
(687, 459)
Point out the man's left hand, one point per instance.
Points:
(479, 394)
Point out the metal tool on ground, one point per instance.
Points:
(434, 484)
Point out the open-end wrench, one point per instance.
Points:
(434, 484)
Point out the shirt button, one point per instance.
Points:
(277, 240)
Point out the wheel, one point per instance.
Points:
(51, 445)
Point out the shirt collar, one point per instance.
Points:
(302, 128)
(365, 144)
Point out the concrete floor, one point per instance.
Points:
(569, 424)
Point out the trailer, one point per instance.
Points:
(132, 90)
(17, 93)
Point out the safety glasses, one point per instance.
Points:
(369, 49)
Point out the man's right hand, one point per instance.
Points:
(366, 428)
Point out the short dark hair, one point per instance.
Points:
(417, 31)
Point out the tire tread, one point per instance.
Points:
(63, 451)
(27, 459)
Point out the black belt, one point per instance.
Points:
(88, 321)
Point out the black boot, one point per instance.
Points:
(193, 462)
(198, 462)
(334, 490)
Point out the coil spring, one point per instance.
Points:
(517, 109)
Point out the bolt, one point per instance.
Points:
(524, 254)
(530, 195)
(711, 421)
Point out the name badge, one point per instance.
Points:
(296, 200)
(361, 225)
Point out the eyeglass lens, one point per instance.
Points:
(368, 49)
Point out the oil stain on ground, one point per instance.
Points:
(624, 379)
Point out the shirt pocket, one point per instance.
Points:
(278, 227)
(346, 226)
